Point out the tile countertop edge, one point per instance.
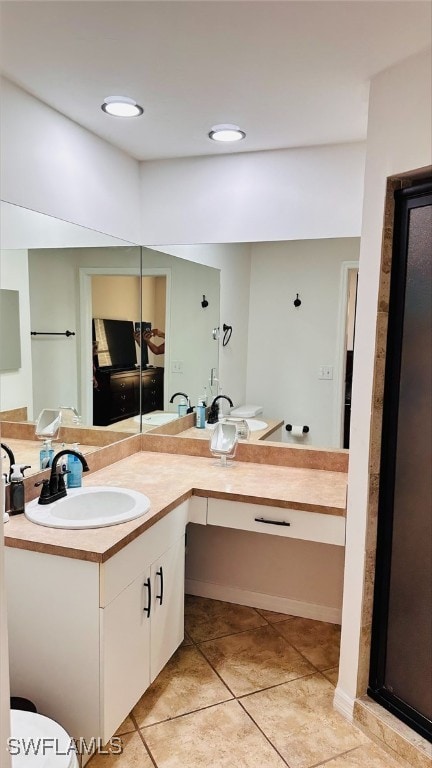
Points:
(91, 555)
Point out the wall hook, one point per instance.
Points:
(227, 329)
(297, 301)
(204, 302)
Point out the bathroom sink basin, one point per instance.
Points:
(156, 419)
(256, 424)
(95, 507)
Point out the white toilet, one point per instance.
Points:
(46, 743)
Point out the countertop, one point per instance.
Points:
(168, 480)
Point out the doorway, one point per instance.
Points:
(401, 648)
(130, 295)
(345, 346)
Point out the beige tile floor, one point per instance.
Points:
(247, 689)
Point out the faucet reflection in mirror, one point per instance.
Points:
(11, 458)
(184, 407)
(214, 408)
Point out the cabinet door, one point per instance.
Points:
(167, 621)
(125, 652)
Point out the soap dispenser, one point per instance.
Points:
(182, 407)
(200, 414)
(74, 474)
(17, 496)
(46, 454)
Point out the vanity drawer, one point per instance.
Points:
(124, 383)
(292, 523)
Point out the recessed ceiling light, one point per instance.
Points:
(121, 106)
(226, 132)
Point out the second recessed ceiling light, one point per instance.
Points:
(121, 106)
(226, 132)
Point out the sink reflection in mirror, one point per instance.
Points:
(93, 507)
(156, 419)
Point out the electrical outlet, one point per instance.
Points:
(177, 366)
(326, 372)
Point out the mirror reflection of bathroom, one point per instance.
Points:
(351, 306)
(128, 362)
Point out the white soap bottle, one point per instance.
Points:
(3, 492)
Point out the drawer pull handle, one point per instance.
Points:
(271, 522)
(147, 584)
(159, 572)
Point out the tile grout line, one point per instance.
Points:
(262, 733)
(301, 653)
(146, 747)
(334, 757)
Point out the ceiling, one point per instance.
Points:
(288, 73)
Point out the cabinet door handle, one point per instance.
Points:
(159, 572)
(147, 584)
(271, 522)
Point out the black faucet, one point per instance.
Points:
(11, 458)
(189, 408)
(214, 408)
(55, 488)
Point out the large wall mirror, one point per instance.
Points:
(77, 287)
(292, 359)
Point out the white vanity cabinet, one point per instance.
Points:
(140, 630)
(86, 638)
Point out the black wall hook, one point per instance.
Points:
(204, 302)
(227, 329)
(297, 301)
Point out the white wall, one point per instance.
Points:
(286, 575)
(290, 194)
(16, 386)
(51, 164)
(233, 260)
(287, 344)
(399, 140)
(189, 339)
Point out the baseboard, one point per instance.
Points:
(344, 704)
(261, 600)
